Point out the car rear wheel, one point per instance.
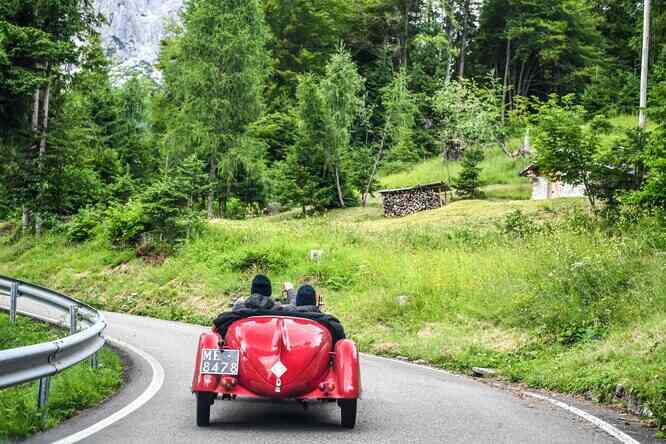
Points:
(204, 401)
(348, 412)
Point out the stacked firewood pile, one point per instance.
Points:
(405, 201)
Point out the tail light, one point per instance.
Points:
(327, 387)
(228, 382)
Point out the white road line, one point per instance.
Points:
(153, 388)
(603, 425)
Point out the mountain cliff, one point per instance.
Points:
(134, 30)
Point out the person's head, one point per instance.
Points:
(306, 296)
(261, 285)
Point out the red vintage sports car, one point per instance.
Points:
(278, 356)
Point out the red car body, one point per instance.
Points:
(280, 357)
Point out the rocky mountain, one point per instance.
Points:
(134, 30)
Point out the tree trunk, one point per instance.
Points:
(227, 192)
(527, 142)
(43, 129)
(642, 116)
(372, 176)
(25, 219)
(378, 159)
(45, 119)
(212, 175)
(449, 57)
(35, 111)
(463, 43)
(519, 87)
(341, 199)
(25, 211)
(405, 34)
(505, 88)
(39, 223)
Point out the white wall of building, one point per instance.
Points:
(543, 188)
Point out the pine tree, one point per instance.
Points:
(468, 182)
(215, 71)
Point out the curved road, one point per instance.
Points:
(401, 403)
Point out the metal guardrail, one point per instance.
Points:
(41, 361)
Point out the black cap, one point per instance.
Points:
(306, 296)
(261, 285)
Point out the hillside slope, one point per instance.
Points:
(543, 294)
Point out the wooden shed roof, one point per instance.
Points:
(438, 186)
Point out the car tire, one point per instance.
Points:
(348, 412)
(204, 401)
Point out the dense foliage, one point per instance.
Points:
(269, 104)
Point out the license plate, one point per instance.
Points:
(219, 362)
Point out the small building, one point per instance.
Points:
(405, 201)
(544, 187)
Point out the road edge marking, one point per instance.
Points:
(597, 422)
(154, 386)
(600, 423)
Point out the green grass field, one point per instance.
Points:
(71, 391)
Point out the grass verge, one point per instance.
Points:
(71, 391)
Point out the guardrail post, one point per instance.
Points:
(13, 302)
(43, 391)
(73, 311)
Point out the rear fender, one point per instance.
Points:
(347, 369)
(205, 383)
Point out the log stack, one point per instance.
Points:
(405, 201)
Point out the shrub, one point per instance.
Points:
(260, 259)
(83, 225)
(125, 224)
(519, 225)
(161, 214)
(235, 209)
(600, 124)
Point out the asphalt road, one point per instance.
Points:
(401, 403)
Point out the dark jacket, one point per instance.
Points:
(255, 302)
(301, 308)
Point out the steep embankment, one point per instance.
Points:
(545, 295)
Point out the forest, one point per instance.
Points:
(269, 105)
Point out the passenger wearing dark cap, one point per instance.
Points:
(303, 300)
(260, 295)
